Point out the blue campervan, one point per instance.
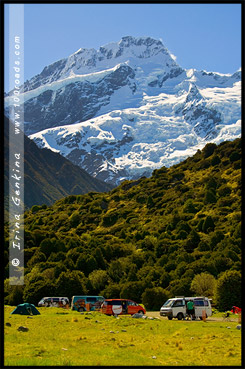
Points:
(86, 303)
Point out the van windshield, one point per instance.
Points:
(168, 302)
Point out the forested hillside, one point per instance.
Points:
(151, 235)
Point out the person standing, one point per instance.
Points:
(190, 309)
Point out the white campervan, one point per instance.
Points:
(177, 307)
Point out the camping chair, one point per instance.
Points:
(226, 316)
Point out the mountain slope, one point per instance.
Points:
(154, 232)
(129, 143)
(128, 108)
(47, 175)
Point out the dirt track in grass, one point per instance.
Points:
(213, 318)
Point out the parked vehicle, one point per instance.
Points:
(86, 303)
(121, 306)
(54, 301)
(177, 307)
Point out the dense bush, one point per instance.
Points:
(154, 298)
(229, 290)
(203, 285)
(155, 233)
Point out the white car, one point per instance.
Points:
(177, 307)
(54, 301)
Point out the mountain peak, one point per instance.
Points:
(140, 47)
(137, 50)
(148, 41)
(193, 93)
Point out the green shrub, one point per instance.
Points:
(209, 149)
(203, 284)
(154, 298)
(132, 290)
(71, 283)
(210, 197)
(75, 219)
(208, 224)
(228, 290)
(215, 160)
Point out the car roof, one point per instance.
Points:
(54, 297)
(118, 300)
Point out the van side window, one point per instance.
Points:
(206, 303)
(91, 299)
(178, 303)
(198, 302)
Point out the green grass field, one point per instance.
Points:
(68, 338)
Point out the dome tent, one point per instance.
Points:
(26, 309)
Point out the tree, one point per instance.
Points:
(180, 287)
(154, 298)
(192, 241)
(47, 246)
(150, 202)
(211, 184)
(35, 208)
(208, 150)
(208, 224)
(216, 238)
(115, 271)
(203, 284)
(210, 197)
(149, 243)
(86, 263)
(235, 155)
(13, 293)
(71, 283)
(99, 258)
(38, 257)
(228, 290)
(75, 219)
(112, 291)
(132, 290)
(189, 207)
(35, 291)
(132, 276)
(215, 160)
(98, 279)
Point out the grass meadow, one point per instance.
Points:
(60, 337)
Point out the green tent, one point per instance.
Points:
(25, 309)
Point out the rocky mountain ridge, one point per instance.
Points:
(48, 176)
(128, 108)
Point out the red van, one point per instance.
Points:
(121, 307)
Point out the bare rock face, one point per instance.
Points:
(128, 108)
(74, 102)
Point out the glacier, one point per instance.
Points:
(128, 108)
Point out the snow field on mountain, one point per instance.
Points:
(225, 100)
(61, 84)
(147, 114)
(158, 135)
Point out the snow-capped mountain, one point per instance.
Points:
(123, 110)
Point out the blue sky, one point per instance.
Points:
(201, 36)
